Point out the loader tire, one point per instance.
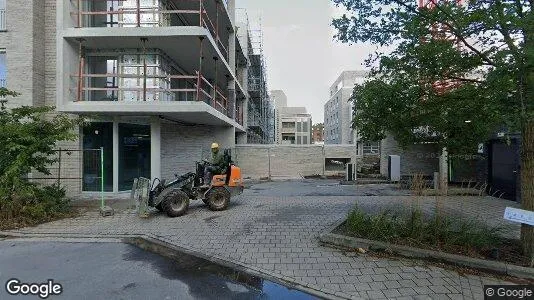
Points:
(218, 198)
(176, 203)
(159, 207)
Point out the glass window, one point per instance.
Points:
(134, 154)
(3, 67)
(305, 140)
(96, 135)
(305, 127)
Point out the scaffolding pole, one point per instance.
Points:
(199, 73)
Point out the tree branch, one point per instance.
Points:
(519, 7)
(452, 28)
(465, 79)
(505, 31)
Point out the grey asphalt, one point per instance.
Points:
(122, 271)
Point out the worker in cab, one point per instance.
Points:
(217, 165)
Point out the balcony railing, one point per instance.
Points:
(124, 13)
(149, 88)
(2, 19)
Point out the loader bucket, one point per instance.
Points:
(140, 195)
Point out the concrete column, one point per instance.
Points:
(231, 10)
(232, 61)
(155, 147)
(443, 172)
(116, 155)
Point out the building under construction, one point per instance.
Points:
(260, 110)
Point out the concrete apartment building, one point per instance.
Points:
(339, 111)
(159, 80)
(293, 125)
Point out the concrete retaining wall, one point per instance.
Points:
(416, 159)
(289, 161)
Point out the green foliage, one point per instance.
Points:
(28, 138)
(439, 232)
(449, 64)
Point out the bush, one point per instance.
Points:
(33, 205)
(440, 233)
(28, 137)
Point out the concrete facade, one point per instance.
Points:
(293, 125)
(338, 110)
(415, 159)
(39, 32)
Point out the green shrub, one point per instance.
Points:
(28, 137)
(438, 232)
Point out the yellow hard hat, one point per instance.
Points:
(214, 145)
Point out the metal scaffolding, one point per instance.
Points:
(260, 109)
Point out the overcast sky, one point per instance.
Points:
(303, 59)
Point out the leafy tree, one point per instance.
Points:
(28, 137)
(458, 72)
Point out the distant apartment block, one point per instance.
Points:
(293, 125)
(339, 112)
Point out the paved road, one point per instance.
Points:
(122, 271)
(272, 228)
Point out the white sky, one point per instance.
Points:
(303, 59)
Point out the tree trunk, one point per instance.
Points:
(527, 185)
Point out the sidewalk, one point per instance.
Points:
(276, 235)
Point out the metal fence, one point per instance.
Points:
(75, 170)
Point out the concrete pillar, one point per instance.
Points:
(231, 10)
(443, 172)
(232, 62)
(155, 147)
(116, 155)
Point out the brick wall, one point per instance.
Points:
(288, 161)
(416, 159)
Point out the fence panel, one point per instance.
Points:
(75, 170)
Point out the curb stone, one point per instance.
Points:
(161, 247)
(411, 252)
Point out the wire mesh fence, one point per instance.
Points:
(74, 170)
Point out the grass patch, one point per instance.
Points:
(440, 233)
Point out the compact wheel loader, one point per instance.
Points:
(174, 197)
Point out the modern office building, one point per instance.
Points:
(159, 80)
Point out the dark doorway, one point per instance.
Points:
(96, 135)
(504, 164)
(134, 154)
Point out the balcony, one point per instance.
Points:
(209, 14)
(128, 81)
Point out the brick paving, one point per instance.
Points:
(277, 235)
